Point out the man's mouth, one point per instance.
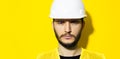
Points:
(67, 37)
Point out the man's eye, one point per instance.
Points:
(60, 22)
(75, 21)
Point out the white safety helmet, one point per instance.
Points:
(67, 9)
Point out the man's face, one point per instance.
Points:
(68, 31)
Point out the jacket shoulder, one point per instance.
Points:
(92, 55)
(47, 54)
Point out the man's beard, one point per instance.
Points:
(68, 45)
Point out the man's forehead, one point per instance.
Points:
(67, 19)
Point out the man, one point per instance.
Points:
(68, 22)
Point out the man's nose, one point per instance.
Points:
(67, 27)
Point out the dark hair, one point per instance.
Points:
(79, 19)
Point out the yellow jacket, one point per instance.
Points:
(85, 54)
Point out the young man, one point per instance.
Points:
(68, 22)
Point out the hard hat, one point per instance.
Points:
(67, 9)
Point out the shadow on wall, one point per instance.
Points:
(87, 31)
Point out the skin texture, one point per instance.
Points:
(68, 31)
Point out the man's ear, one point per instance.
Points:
(83, 24)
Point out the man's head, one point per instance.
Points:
(68, 21)
(68, 31)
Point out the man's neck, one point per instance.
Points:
(69, 52)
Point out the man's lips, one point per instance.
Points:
(67, 37)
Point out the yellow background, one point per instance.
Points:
(26, 29)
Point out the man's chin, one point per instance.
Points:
(68, 45)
